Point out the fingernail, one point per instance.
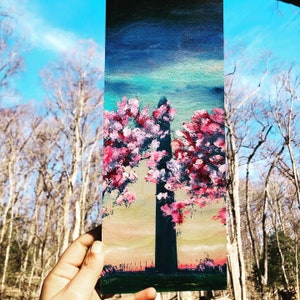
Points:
(97, 247)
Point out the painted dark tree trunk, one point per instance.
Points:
(165, 237)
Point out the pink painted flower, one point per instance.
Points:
(221, 216)
(198, 162)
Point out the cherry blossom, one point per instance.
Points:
(197, 165)
(221, 215)
(130, 135)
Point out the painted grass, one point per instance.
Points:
(130, 282)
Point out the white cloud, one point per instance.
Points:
(37, 32)
(42, 35)
(57, 40)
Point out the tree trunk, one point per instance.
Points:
(7, 254)
(11, 193)
(297, 268)
(236, 263)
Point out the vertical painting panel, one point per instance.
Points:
(164, 161)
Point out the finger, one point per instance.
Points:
(76, 252)
(68, 265)
(70, 261)
(90, 271)
(147, 294)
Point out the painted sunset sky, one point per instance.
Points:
(129, 234)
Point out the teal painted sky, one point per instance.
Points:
(51, 27)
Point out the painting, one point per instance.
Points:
(164, 147)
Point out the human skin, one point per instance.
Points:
(75, 275)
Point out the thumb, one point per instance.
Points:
(90, 270)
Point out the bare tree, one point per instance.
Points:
(14, 135)
(285, 112)
(75, 103)
(11, 61)
(263, 180)
(239, 119)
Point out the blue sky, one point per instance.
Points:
(51, 27)
(256, 27)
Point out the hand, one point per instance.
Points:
(75, 275)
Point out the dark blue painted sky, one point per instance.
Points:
(177, 54)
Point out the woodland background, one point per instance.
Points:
(50, 170)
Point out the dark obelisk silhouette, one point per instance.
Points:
(165, 238)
